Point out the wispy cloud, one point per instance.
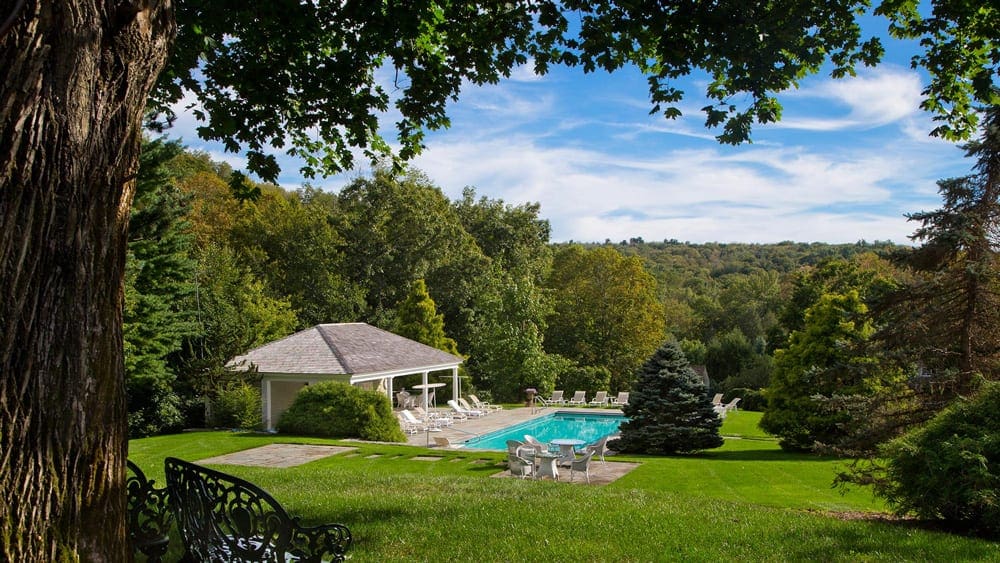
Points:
(755, 194)
(873, 98)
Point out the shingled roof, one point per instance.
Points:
(355, 349)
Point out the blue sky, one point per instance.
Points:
(849, 158)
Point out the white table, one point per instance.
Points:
(567, 448)
(545, 466)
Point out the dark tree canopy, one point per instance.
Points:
(669, 410)
(311, 78)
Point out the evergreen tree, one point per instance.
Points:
(418, 319)
(826, 358)
(158, 274)
(948, 317)
(669, 410)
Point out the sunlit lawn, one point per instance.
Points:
(745, 501)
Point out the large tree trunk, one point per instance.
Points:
(76, 77)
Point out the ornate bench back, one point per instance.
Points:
(149, 516)
(224, 518)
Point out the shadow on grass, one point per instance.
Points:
(763, 455)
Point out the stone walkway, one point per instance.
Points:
(277, 455)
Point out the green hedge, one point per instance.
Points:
(339, 410)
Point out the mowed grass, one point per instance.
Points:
(745, 501)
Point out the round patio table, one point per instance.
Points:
(426, 389)
(567, 448)
(545, 466)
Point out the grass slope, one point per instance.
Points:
(744, 501)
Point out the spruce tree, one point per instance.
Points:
(669, 409)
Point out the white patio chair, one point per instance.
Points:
(579, 398)
(731, 405)
(581, 464)
(519, 466)
(599, 448)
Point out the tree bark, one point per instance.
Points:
(76, 78)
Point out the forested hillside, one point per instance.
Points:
(213, 273)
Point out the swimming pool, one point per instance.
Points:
(588, 427)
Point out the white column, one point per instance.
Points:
(265, 403)
(455, 382)
(425, 392)
(388, 389)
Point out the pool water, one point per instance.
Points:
(588, 427)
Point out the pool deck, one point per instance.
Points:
(462, 430)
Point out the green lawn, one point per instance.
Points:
(744, 501)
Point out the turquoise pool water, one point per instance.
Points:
(588, 427)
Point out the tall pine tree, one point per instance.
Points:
(158, 277)
(669, 410)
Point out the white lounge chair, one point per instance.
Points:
(579, 398)
(471, 411)
(555, 399)
(422, 425)
(483, 406)
(462, 413)
(407, 425)
(581, 464)
(433, 418)
(442, 442)
(731, 405)
(600, 399)
(717, 399)
(621, 400)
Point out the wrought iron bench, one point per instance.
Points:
(224, 518)
(149, 516)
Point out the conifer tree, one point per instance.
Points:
(158, 275)
(669, 409)
(419, 320)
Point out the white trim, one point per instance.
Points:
(362, 377)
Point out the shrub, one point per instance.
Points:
(584, 378)
(750, 399)
(669, 409)
(949, 469)
(237, 406)
(338, 410)
(153, 407)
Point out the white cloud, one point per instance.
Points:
(873, 98)
(526, 73)
(757, 194)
